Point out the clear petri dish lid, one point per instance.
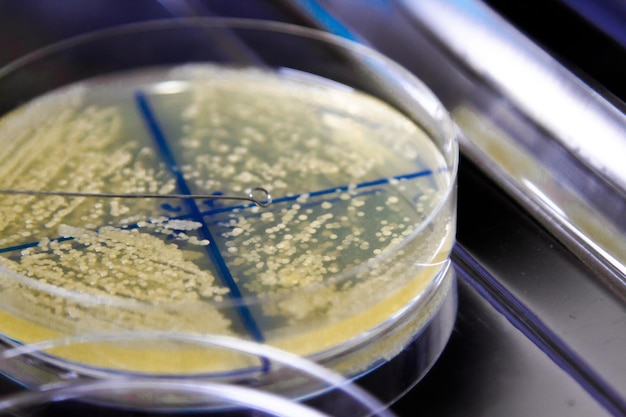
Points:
(261, 394)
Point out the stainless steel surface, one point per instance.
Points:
(542, 287)
(492, 369)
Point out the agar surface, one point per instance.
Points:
(354, 184)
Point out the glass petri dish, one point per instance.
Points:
(348, 264)
(120, 395)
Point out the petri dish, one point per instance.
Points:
(347, 265)
(121, 395)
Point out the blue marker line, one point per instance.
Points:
(212, 212)
(344, 188)
(212, 249)
(380, 181)
(333, 190)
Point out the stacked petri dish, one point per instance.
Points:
(321, 225)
